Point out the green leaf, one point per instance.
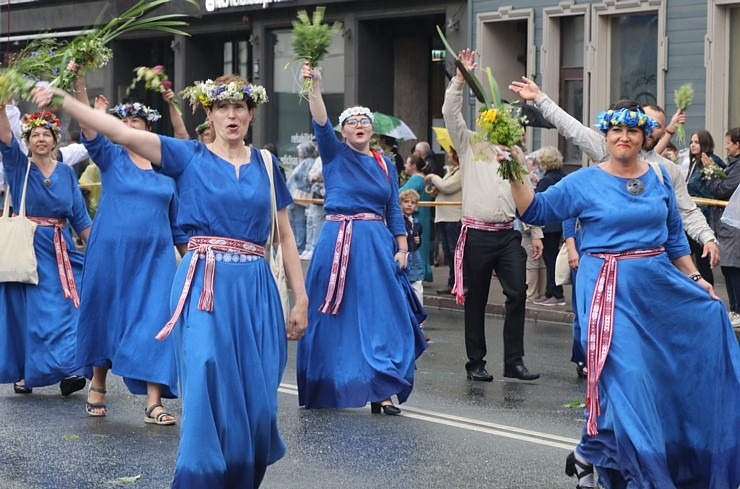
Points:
(447, 44)
(575, 404)
(129, 480)
(71, 437)
(495, 94)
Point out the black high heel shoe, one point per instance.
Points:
(575, 468)
(389, 409)
(72, 384)
(21, 389)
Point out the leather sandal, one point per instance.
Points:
(21, 389)
(159, 419)
(90, 407)
(570, 469)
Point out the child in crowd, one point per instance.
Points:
(409, 203)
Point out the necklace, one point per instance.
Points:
(635, 186)
(47, 182)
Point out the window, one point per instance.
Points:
(236, 58)
(285, 105)
(733, 116)
(634, 65)
(571, 79)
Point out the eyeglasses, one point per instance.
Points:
(364, 122)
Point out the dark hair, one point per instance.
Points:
(271, 148)
(734, 135)
(420, 163)
(226, 79)
(706, 142)
(626, 103)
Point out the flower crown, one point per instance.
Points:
(209, 92)
(42, 119)
(358, 110)
(202, 128)
(626, 117)
(136, 109)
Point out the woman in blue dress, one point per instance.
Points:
(663, 363)
(416, 168)
(364, 337)
(228, 324)
(124, 301)
(38, 323)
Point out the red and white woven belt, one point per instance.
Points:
(63, 264)
(339, 263)
(206, 245)
(468, 223)
(601, 325)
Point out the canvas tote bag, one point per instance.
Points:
(17, 256)
(276, 252)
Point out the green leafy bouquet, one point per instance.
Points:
(683, 98)
(49, 59)
(500, 123)
(311, 41)
(155, 79)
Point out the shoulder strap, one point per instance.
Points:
(267, 160)
(656, 168)
(6, 205)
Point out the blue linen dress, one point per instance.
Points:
(231, 360)
(37, 323)
(424, 215)
(366, 352)
(129, 267)
(670, 388)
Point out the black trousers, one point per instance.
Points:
(702, 264)
(551, 248)
(732, 282)
(502, 251)
(450, 233)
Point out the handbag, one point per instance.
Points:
(275, 253)
(562, 268)
(17, 256)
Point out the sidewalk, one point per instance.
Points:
(496, 299)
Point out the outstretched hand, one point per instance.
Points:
(308, 72)
(467, 58)
(526, 89)
(44, 96)
(101, 103)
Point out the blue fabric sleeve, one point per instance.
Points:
(328, 143)
(80, 219)
(13, 157)
(393, 214)
(676, 245)
(558, 203)
(177, 155)
(569, 228)
(101, 150)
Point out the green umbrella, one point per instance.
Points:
(387, 125)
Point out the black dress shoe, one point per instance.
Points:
(445, 291)
(72, 384)
(389, 409)
(519, 372)
(480, 374)
(21, 389)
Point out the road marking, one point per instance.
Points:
(471, 424)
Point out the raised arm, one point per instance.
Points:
(315, 100)
(80, 94)
(589, 141)
(678, 118)
(178, 125)
(143, 143)
(6, 133)
(453, 103)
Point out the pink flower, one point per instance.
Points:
(167, 85)
(158, 69)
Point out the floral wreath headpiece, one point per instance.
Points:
(209, 92)
(136, 109)
(626, 117)
(202, 128)
(42, 119)
(358, 110)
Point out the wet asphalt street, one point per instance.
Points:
(453, 433)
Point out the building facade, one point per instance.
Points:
(585, 54)
(382, 58)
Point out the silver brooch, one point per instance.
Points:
(635, 186)
(47, 182)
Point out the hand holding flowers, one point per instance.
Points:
(311, 41)
(155, 79)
